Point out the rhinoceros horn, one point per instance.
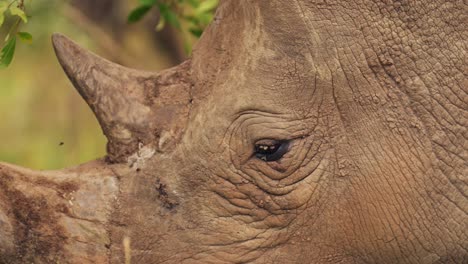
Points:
(134, 108)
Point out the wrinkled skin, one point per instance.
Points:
(372, 97)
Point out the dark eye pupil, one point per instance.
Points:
(271, 150)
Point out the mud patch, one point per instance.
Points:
(164, 197)
(63, 189)
(38, 237)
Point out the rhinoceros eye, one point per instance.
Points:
(270, 149)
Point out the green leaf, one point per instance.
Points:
(138, 13)
(206, 6)
(15, 11)
(197, 32)
(169, 15)
(194, 3)
(148, 2)
(163, 8)
(25, 37)
(7, 52)
(205, 18)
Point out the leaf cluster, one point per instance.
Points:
(17, 10)
(192, 16)
(188, 16)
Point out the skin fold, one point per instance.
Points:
(371, 97)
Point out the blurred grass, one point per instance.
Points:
(44, 123)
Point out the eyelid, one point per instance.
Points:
(277, 135)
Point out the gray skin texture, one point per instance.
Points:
(371, 94)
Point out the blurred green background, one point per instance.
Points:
(44, 122)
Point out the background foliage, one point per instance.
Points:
(44, 122)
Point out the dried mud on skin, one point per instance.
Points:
(37, 235)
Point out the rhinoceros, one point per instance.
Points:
(305, 131)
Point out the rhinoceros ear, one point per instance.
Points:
(134, 108)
